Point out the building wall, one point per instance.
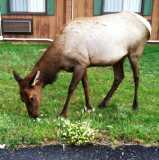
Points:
(59, 12)
(155, 20)
(44, 26)
(150, 10)
(41, 26)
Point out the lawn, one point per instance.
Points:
(115, 124)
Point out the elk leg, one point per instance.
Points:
(135, 68)
(118, 77)
(86, 91)
(77, 76)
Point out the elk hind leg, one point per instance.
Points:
(134, 61)
(86, 92)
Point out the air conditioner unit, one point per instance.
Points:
(20, 26)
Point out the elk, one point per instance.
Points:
(85, 42)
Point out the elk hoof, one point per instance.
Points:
(135, 109)
(102, 105)
(88, 110)
(63, 114)
(135, 106)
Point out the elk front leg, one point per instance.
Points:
(77, 76)
(118, 77)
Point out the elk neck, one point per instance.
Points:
(49, 65)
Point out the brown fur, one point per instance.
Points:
(54, 59)
(51, 62)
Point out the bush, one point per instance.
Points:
(76, 133)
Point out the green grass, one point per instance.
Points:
(117, 123)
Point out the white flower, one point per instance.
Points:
(2, 146)
(38, 119)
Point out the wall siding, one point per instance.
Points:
(41, 26)
(155, 20)
(59, 13)
(83, 8)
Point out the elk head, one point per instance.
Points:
(30, 92)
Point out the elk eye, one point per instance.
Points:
(32, 98)
(21, 95)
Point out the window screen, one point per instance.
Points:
(122, 5)
(112, 5)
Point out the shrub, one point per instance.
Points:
(76, 133)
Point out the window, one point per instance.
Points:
(28, 6)
(122, 5)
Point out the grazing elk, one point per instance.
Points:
(85, 42)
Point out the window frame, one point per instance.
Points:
(27, 13)
(141, 13)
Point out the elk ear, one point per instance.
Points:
(35, 79)
(17, 77)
